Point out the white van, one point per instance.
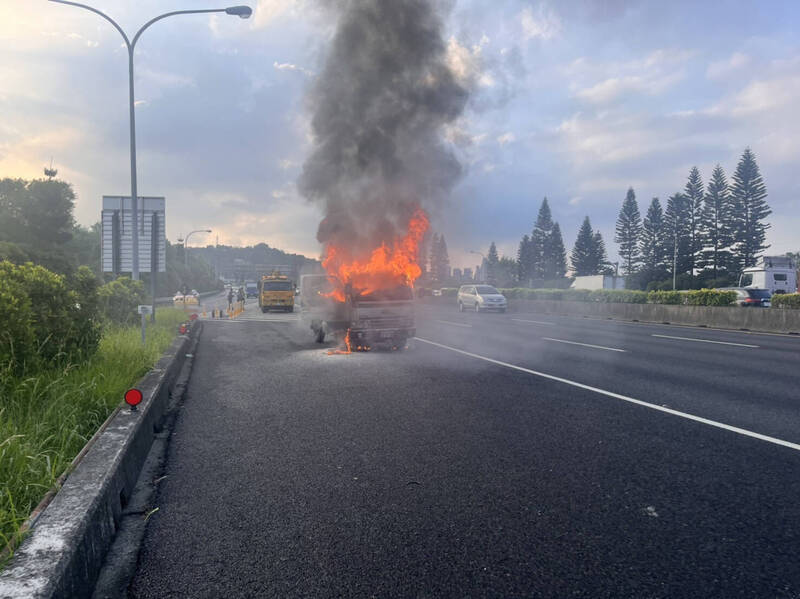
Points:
(778, 274)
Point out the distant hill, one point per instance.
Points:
(249, 263)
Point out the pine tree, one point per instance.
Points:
(492, 260)
(523, 268)
(694, 209)
(678, 235)
(600, 257)
(628, 231)
(717, 224)
(539, 237)
(584, 256)
(653, 242)
(750, 209)
(556, 264)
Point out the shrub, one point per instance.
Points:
(786, 300)
(618, 296)
(62, 330)
(17, 340)
(710, 297)
(665, 297)
(118, 300)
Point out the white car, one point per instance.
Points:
(481, 298)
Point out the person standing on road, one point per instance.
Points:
(230, 298)
(240, 295)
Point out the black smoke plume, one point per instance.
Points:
(379, 107)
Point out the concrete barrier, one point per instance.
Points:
(770, 320)
(64, 553)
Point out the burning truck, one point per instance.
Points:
(366, 301)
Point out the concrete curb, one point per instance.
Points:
(63, 555)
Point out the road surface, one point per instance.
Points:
(512, 455)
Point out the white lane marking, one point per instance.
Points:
(533, 321)
(585, 344)
(704, 340)
(456, 324)
(638, 402)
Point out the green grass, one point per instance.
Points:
(46, 419)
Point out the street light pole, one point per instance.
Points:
(186, 244)
(241, 11)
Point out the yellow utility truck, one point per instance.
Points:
(276, 292)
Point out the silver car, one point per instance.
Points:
(481, 298)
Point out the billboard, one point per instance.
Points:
(116, 241)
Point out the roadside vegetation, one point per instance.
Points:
(697, 297)
(786, 300)
(69, 347)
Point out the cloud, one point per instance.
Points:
(723, 68)
(468, 64)
(506, 138)
(611, 89)
(287, 66)
(651, 75)
(542, 24)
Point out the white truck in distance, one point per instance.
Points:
(598, 282)
(777, 274)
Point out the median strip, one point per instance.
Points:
(585, 344)
(705, 341)
(638, 402)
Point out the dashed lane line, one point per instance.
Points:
(455, 324)
(585, 344)
(705, 341)
(533, 321)
(638, 402)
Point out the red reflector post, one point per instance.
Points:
(133, 397)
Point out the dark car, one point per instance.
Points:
(751, 298)
(251, 289)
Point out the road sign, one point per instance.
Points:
(116, 242)
(145, 309)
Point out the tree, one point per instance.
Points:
(653, 243)
(37, 212)
(556, 255)
(628, 231)
(588, 254)
(694, 195)
(492, 260)
(600, 255)
(524, 274)
(678, 236)
(505, 272)
(539, 236)
(717, 224)
(749, 211)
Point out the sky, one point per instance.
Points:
(574, 100)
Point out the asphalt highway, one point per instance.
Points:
(501, 455)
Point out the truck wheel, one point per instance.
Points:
(502, 310)
(264, 309)
(460, 307)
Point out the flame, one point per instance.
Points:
(348, 347)
(388, 266)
